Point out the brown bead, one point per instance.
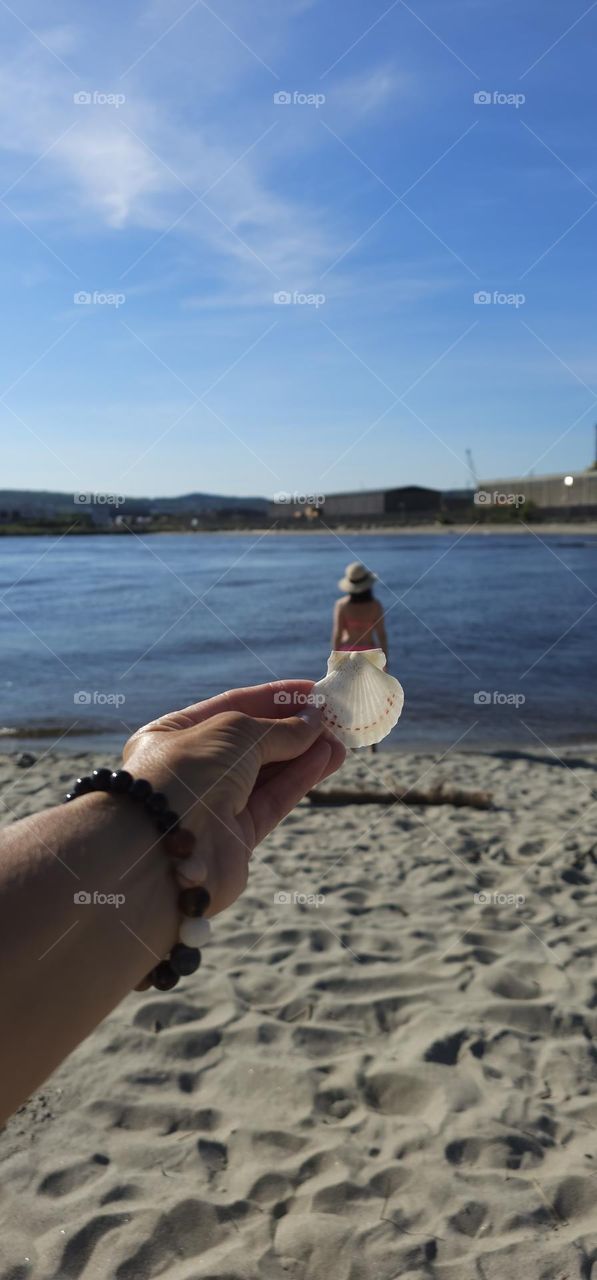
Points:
(194, 902)
(179, 843)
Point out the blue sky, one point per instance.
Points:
(381, 198)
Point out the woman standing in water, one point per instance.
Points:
(358, 616)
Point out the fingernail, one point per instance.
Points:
(192, 871)
(312, 716)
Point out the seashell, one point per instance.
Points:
(362, 703)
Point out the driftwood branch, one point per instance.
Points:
(441, 793)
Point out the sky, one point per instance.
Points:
(241, 243)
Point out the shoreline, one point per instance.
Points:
(110, 745)
(514, 527)
(414, 530)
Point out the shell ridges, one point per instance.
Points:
(361, 702)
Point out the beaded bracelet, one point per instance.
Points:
(194, 931)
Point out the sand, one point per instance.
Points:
(549, 528)
(396, 1081)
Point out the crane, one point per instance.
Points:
(471, 467)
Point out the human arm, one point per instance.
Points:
(232, 767)
(380, 631)
(338, 624)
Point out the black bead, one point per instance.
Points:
(141, 789)
(70, 795)
(83, 786)
(164, 977)
(157, 802)
(101, 779)
(167, 821)
(194, 901)
(184, 960)
(120, 781)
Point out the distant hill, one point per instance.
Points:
(33, 502)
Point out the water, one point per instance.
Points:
(141, 627)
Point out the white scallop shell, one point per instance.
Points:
(362, 702)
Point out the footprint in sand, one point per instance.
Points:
(513, 1151)
(395, 1093)
(511, 986)
(61, 1182)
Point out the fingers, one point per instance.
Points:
(276, 700)
(283, 740)
(270, 803)
(337, 757)
(278, 792)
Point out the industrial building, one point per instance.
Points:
(411, 502)
(570, 496)
(573, 495)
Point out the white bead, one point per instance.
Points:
(194, 932)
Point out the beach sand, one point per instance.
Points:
(396, 1081)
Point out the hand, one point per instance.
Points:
(233, 767)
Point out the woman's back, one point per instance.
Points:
(358, 616)
(358, 621)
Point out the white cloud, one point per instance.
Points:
(363, 94)
(136, 167)
(62, 40)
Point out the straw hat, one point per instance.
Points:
(356, 579)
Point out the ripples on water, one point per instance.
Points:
(171, 619)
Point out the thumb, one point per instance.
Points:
(286, 739)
